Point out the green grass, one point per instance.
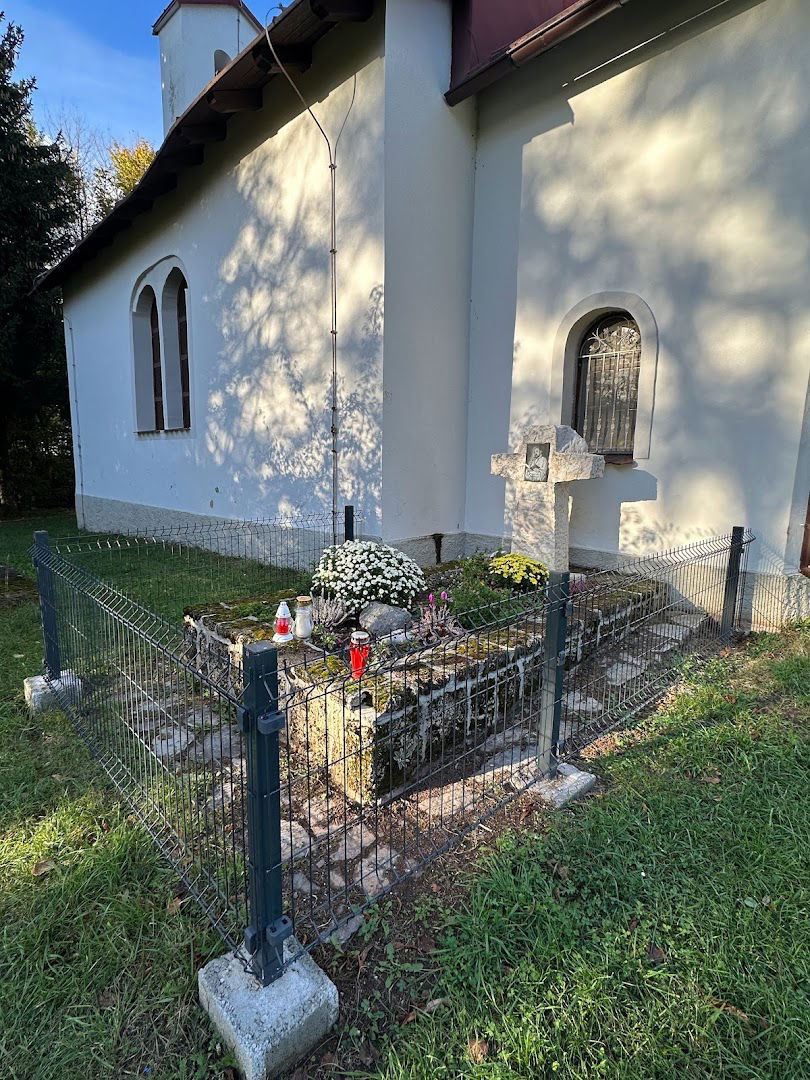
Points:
(661, 930)
(164, 579)
(97, 965)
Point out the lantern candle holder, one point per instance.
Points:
(283, 633)
(359, 652)
(303, 618)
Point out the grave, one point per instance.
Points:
(547, 460)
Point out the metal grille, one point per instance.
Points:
(607, 385)
(289, 790)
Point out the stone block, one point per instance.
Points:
(373, 735)
(570, 783)
(42, 695)
(383, 619)
(268, 1028)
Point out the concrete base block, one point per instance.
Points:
(41, 696)
(268, 1028)
(569, 784)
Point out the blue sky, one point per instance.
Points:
(94, 57)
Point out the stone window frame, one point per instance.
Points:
(161, 280)
(565, 364)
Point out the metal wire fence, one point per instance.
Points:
(291, 789)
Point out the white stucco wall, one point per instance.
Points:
(251, 228)
(429, 156)
(188, 40)
(677, 174)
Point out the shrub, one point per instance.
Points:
(517, 572)
(360, 572)
(470, 596)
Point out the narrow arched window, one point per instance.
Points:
(606, 400)
(182, 335)
(147, 355)
(174, 321)
(157, 374)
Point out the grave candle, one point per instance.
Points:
(283, 632)
(359, 651)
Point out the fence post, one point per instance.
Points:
(348, 523)
(551, 691)
(732, 583)
(260, 722)
(47, 604)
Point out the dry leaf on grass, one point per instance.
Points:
(655, 954)
(714, 779)
(426, 1009)
(425, 944)
(478, 1050)
(174, 906)
(727, 1007)
(44, 866)
(433, 1005)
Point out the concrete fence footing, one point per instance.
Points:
(268, 1028)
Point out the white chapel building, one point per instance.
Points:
(582, 212)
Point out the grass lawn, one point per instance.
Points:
(661, 929)
(98, 947)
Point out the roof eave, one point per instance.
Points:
(237, 88)
(537, 41)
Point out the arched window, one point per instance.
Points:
(174, 312)
(606, 397)
(148, 372)
(182, 334)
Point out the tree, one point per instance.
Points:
(126, 166)
(86, 150)
(38, 212)
(106, 169)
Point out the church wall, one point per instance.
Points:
(676, 174)
(428, 228)
(251, 229)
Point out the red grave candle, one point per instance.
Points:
(359, 651)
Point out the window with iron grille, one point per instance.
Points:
(608, 364)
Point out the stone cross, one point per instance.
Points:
(546, 461)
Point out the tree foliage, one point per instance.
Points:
(38, 210)
(127, 164)
(106, 170)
